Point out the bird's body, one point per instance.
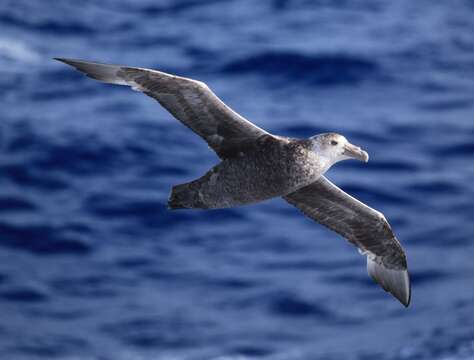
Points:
(269, 167)
(256, 165)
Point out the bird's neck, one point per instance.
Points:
(325, 163)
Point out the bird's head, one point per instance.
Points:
(335, 147)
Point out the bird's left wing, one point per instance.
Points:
(361, 225)
(190, 101)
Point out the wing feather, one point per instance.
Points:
(363, 226)
(190, 101)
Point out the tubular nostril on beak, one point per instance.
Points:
(355, 152)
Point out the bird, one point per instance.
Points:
(256, 165)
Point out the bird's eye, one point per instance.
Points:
(333, 142)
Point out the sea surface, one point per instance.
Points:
(94, 267)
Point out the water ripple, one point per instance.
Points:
(324, 69)
(92, 264)
(41, 239)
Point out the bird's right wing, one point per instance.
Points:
(189, 101)
(361, 225)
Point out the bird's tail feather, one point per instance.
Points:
(185, 196)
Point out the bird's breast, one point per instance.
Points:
(270, 173)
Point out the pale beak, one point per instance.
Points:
(355, 152)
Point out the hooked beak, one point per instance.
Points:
(355, 152)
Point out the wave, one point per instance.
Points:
(23, 295)
(42, 239)
(321, 69)
(154, 331)
(13, 50)
(48, 26)
(173, 8)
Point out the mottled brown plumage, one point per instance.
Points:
(363, 226)
(256, 165)
(269, 167)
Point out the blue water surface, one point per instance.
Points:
(94, 267)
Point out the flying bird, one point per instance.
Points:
(256, 165)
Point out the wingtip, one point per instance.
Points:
(407, 299)
(68, 61)
(64, 60)
(106, 73)
(401, 291)
(394, 281)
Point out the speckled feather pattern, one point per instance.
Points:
(270, 167)
(195, 105)
(257, 166)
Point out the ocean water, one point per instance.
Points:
(94, 267)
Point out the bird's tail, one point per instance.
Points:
(185, 196)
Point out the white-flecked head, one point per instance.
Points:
(333, 147)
